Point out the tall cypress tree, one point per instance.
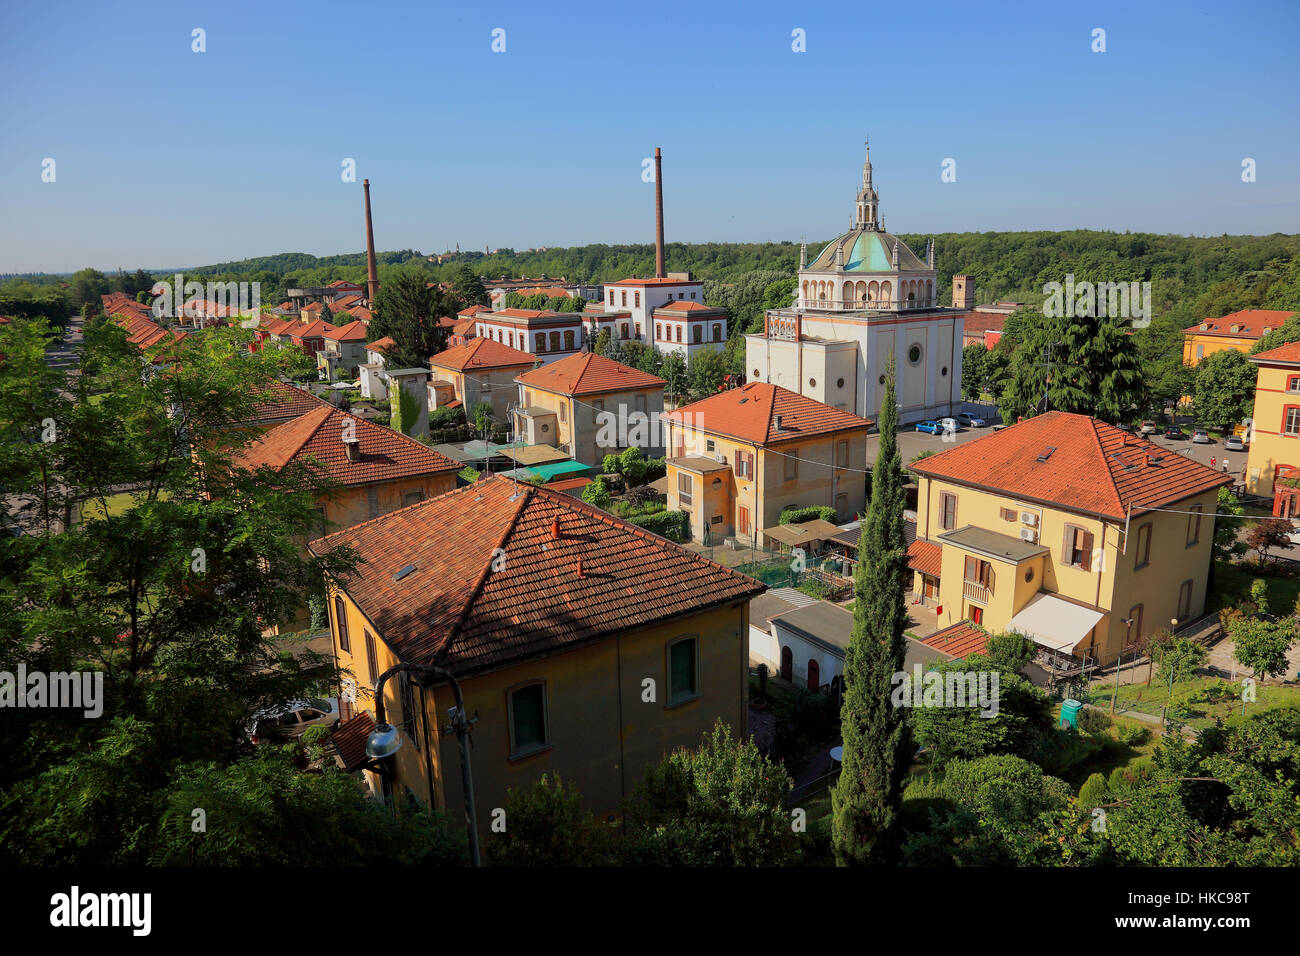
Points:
(877, 742)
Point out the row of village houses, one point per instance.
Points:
(553, 614)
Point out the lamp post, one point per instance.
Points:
(385, 741)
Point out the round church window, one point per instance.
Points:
(882, 380)
(914, 354)
(839, 383)
(755, 373)
(944, 371)
(812, 383)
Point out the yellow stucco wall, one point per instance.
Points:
(818, 479)
(603, 733)
(345, 507)
(1113, 583)
(1201, 345)
(1269, 446)
(577, 419)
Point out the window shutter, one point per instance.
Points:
(1066, 541)
(988, 576)
(1086, 549)
(970, 572)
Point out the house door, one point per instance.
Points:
(931, 588)
(814, 675)
(976, 614)
(787, 663)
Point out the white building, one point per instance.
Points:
(640, 297)
(548, 335)
(864, 297)
(689, 327)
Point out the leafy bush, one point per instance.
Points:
(655, 468)
(1093, 721)
(611, 464)
(597, 494)
(1065, 749)
(468, 475)
(1094, 792)
(632, 466)
(548, 826)
(798, 515)
(1134, 736)
(673, 525)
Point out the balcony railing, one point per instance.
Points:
(975, 592)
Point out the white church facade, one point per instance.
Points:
(865, 296)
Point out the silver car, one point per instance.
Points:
(292, 721)
(970, 421)
(1200, 436)
(1234, 443)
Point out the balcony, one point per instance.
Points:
(973, 591)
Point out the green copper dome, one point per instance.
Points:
(866, 250)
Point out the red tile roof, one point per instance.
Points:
(1250, 323)
(378, 345)
(587, 373)
(1284, 354)
(1093, 467)
(681, 305)
(352, 332)
(749, 413)
(474, 310)
(480, 354)
(317, 436)
(312, 330)
(656, 282)
(350, 737)
(572, 575)
(924, 557)
(570, 486)
(959, 639)
(278, 401)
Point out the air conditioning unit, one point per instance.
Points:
(1028, 534)
(720, 458)
(1029, 518)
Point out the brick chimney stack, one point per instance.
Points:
(660, 272)
(372, 271)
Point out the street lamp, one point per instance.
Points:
(384, 741)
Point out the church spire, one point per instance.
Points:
(868, 210)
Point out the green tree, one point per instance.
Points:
(407, 308)
(974, 362)
(547, 825)
(1180, 656)
(721, 804)
(1224, 388)
(877, 741)
(1262, 644)
(597, 494)
(468, 288)
(705, 371)
(674, 373)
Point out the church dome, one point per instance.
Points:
(867, 250)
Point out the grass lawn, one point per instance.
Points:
(1202, 699)
(1232, 589)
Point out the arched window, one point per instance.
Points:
(787, 663)
(717, 332)
(679, 333)
(541, 339)
(568, 340)
(555, 341)
(698, 334)
(814, 675)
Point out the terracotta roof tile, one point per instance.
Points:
(749, 413)
(656, 282)
(681, 305)
(378, 345)
(599, 577)
(350, 737)
(1286, 354)
(352, 332)
(1091, 467)
(586, 373)
(317, 437)
(924, 557)
(959, 639)
(278, 401)
(1250, 323)
(481, 354)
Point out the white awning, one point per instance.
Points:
(1055, 623)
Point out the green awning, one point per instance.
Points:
(555, 469)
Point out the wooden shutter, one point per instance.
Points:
(1085, 550)
(1067, 542)
(971, 571)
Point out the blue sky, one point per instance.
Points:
(167, 158)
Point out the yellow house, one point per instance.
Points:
(1275, 435)
(584, 646)
(741, 457)
(589, 406)
(1239, 330)
(373, 469)
(481, 370)
(1068, 530)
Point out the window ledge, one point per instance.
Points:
(681, 701)
(530, 752)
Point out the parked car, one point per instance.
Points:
(1148, 427)
(1234, 443)
(970, 421)
(929, 425)
(1200, 436)
(292, 721)
(1173, 431)
(949, 425)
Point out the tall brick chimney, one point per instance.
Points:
(660, 273)
(372, 271)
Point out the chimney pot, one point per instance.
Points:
(555, 529)
(580, 573)
(352, 448)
